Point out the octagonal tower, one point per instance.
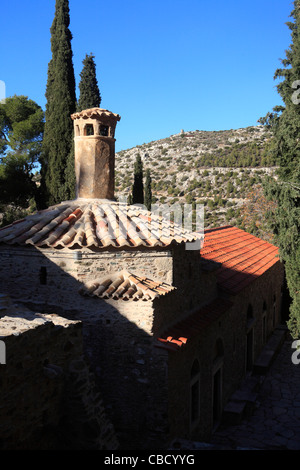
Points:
(94, 136)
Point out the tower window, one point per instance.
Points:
(104, 130)
(89, 129)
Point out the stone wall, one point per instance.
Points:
(119, 345)
(63, 267)
(54, 277)
(118, 335)
(194, 285)
(48, 398)
(231, 330)
(145, 390)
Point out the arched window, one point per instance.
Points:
(250, 317)
(264, 323)
(104, 130)
(274, 310)
(195, 368)
(217, 380)
(195, 393)
(218, 350)
(250, 312)
(249, 338)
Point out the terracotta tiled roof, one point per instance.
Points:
(183, 331)
(96, 223)
(242, 256)
(93, 112)
(126, 286)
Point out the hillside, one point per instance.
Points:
(216, 168)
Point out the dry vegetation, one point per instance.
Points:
(217, 169)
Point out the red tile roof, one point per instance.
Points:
(242, 256)
(100, 223)
(126, 286)
(178, 335)
(238, 258)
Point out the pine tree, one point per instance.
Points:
(57, 162)
(148, 190)
(89, 91)
(21, 134)
(285, 125)
(138, 185)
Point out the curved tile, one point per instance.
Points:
(94, 223)
(242, 256)
(126, 286)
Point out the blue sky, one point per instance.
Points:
(163, 65)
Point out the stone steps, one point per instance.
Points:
(233, 412)
(241, 404)
(266, 358)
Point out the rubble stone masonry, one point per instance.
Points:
(47, 398)
(146, 390)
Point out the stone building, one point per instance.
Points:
(169, 330)
(48, 396)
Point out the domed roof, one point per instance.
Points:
(95, 223)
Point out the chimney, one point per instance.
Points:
(94, 131)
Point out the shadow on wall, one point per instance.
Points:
(48, 397)
(127, 368)
(130, 373)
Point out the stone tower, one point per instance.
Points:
(94, 136)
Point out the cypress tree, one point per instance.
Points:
(138, 185)
(58, 175)
(148, 190)
(89, 91)
(285, 124)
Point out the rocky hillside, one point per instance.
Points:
(216, 168)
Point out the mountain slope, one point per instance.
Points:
(216, 168)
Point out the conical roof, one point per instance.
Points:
(95, 223)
